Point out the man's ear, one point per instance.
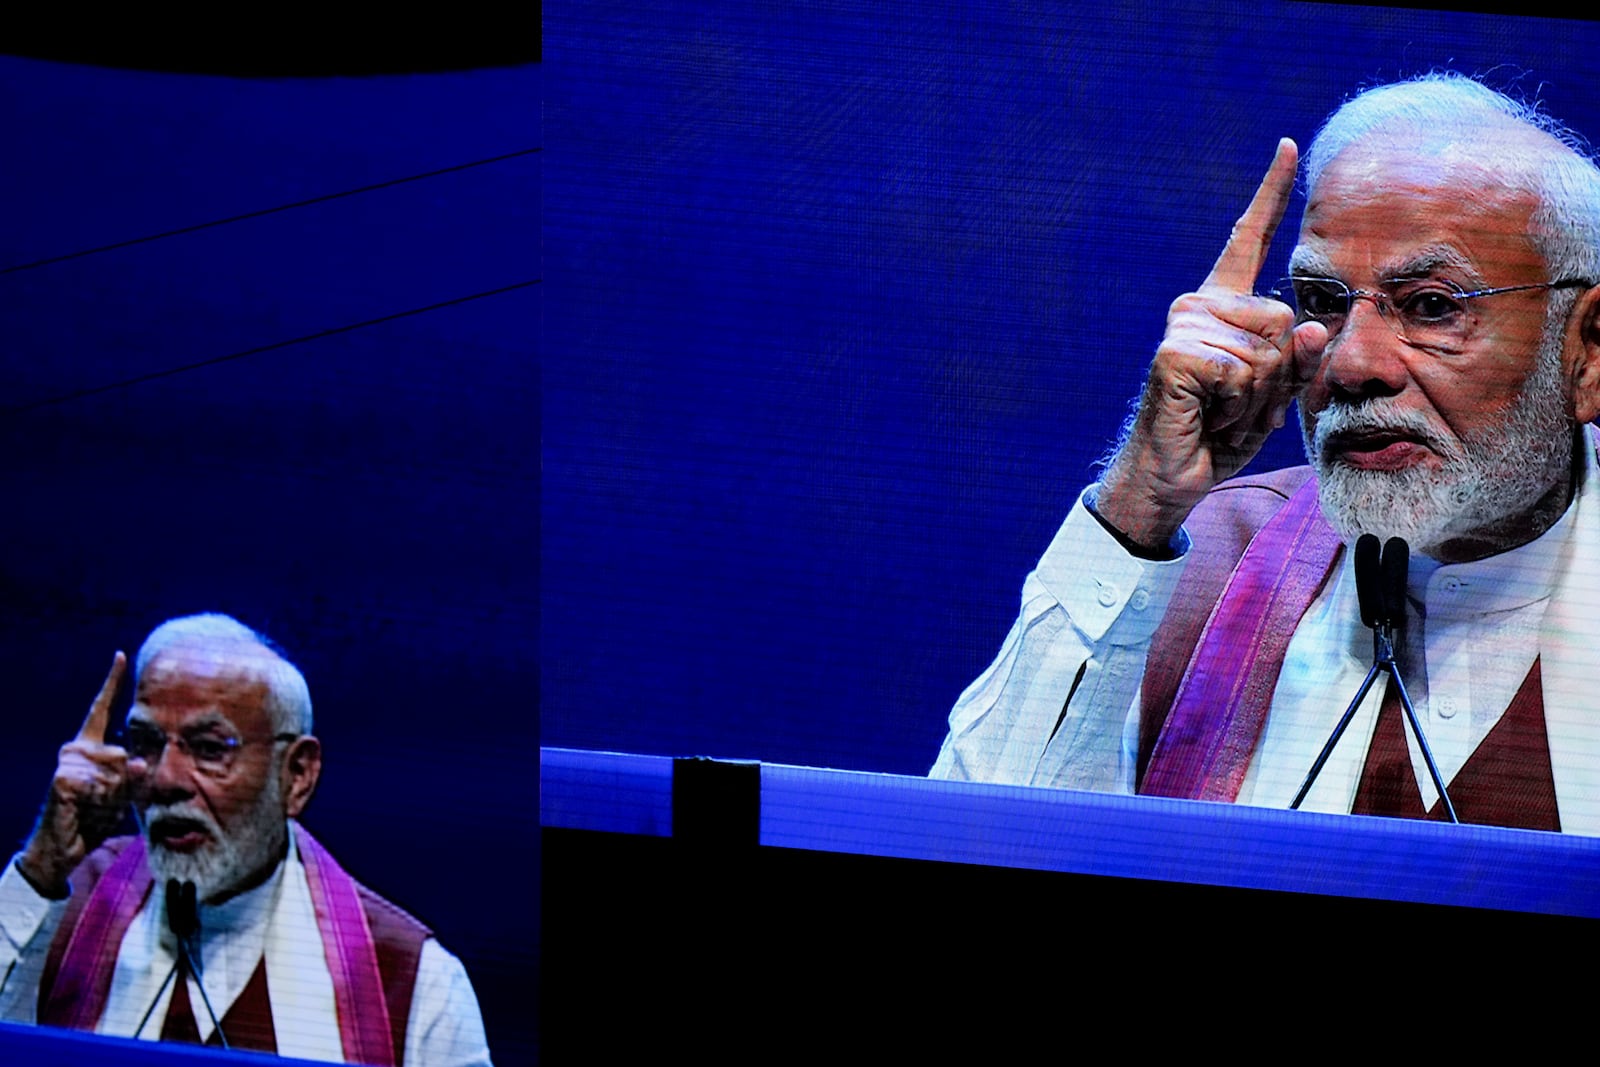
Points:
(1583, 356)
(300, 770)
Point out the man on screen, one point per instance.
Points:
(274, 944)
(1186, 635)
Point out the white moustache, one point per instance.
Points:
(187, 811)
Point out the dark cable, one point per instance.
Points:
(264, 211)
(170, 371)
(145, 1018)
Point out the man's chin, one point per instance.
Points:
(165, 858)
(1414, 501)
(218, 868)
(184, 859)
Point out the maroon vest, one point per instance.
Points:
(1507, 781)
(397, 940)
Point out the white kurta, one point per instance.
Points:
(1475, 630)
(275, 920)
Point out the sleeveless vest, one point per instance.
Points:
(372, 947)
(1215, 659)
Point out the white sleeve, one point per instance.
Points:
(28, 922)
(446, 1027)
(1088, 613)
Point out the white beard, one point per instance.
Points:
(226, 862)
(1500, 472)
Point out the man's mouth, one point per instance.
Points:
(178, 834)
(1378, 450)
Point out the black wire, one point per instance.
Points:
(170, 371)
(264, 211)
(143, 1021)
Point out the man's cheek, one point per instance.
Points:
(1308, 431)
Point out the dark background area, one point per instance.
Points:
(871, 953)
(367, 497)
(846, 298)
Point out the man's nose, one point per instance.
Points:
(169, 774)
(1364, 358)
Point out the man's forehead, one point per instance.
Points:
(1484, 152)
(200, 679)
(1385, 211)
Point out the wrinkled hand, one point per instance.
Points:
(87, 797)
(1222, 380)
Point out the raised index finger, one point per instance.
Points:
(1241, 260)
(94, 726)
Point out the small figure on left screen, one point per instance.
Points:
(223, 922)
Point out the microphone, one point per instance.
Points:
(1396, 564)
(1367, 592)
(183, 912)
(1381, 581)
(183, 919)
(1381, 593)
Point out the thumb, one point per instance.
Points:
(137, 769)
(1310, 339)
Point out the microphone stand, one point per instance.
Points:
(1385, 613)
(183, 919)
(183, 916)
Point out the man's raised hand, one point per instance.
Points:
(1221, 381)
(90, 790)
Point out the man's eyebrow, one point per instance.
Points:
(1306, 263)
(1430, 260)
(210, 720)
(1418, 263)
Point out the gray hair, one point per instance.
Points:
(288, 697)
(1450, 108)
